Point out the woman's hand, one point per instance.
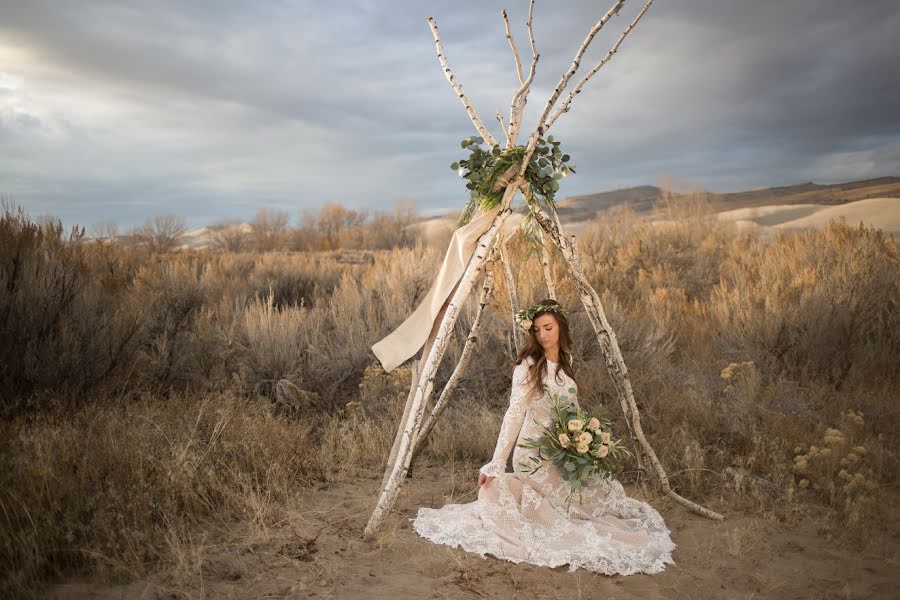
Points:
(483, 479)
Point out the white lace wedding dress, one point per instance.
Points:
(524, 518)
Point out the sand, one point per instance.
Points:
(745, 556)
(880, 213)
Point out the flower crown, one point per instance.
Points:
(525, 317)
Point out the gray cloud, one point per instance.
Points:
(120, 110)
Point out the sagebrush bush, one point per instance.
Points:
(104, 487)
(835, 470)
(741, 353)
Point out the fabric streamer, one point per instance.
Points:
(409, 337)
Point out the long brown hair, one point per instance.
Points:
(533, 349)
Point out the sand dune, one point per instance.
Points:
(881, 213)
(770, 215)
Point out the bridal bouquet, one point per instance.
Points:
(579, 443)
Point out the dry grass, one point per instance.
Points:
(138, 391)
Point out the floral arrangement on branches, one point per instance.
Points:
(579, 443)
(489, 171)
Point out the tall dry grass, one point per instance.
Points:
(138, 392)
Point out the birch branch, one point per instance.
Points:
(476, 120)
(503, 127)
(512, 44)
(517, 105)
(564, 107)
(576, 62)
(545, 261)
(513, 293)
(487, 289)
(390, 489)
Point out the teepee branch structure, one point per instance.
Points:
(513, 294)
(545, 262)
(414, 428)
(487, 289)
(564, 107)
(448, 73)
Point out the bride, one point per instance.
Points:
(523, 517)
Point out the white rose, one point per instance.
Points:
(601, 451)
(581, 448)
(594, 424)
(604, 437)
(585, 438)
(575, 425)
(564, 440)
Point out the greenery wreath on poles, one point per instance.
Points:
(489, 172)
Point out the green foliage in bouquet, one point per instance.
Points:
(489, 171)
(579, 443)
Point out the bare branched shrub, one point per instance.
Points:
(336, 227)
(161, 233)
(230, 236)
(269, 228)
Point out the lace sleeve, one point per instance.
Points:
(512, 422)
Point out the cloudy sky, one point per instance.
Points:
(115, 111)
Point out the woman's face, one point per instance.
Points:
(546, 330)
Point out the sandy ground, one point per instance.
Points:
(319, 553)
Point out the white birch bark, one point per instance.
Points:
(564, 107)
(545, 261)
(473, 115)
(389, 492)
(487, 289)
(575, 63)
(513, 294)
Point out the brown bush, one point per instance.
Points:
(741, 354)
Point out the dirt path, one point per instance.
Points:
(743, 557)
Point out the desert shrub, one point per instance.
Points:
(271, 344)
(172, 296)
(467, 432)
(63, 323)
(836, 470)
(292, 279)
(814, 304)
(106, 489)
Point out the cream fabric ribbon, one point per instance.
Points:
(409, 337)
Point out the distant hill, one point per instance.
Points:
(644, 198)
(585, 206)
(813, 193)
(804, 205)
